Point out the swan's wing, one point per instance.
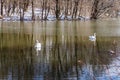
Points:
(90, 37)
(39, 45)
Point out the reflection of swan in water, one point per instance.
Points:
(37, 46)
(93, 37)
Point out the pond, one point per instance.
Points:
(66, 52)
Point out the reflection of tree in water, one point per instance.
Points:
(76, 56)
(14, 62)
(64, 57)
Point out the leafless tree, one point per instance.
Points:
(2, 2)
(33, 16)
(57, 8)
(45, 9)
(75, 9)
(72, 8)
(99, 7)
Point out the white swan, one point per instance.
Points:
(37, 45)
(93, 37)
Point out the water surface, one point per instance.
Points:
(66, 52)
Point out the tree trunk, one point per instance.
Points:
(57, 12)
(42, 16)
(33, 16)
(94, 9)
(47, 10)
(66, 8)
(75, 9)
(20, 7)
(2, 7)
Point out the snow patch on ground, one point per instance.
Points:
(38, 13)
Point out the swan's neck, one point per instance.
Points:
(37, 41)
(95, 34)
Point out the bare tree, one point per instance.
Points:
(2, 2)
(45, 9)
(23, 5)
(66, 8)
(33, 16)
(57, 9)
(20, 7)
(75, 9)
(99, 7)
(80, 7)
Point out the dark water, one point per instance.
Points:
(66, 52)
